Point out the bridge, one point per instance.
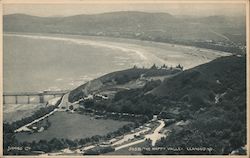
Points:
(41, 96)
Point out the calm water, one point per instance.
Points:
(40, 64)
(54, 62)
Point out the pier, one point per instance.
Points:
(39, 95)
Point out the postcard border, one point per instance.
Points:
(9, 2)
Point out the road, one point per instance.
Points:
(156, 135)
(64, 100)
(130, 136)
(130, 144)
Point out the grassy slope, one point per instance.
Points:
(205, 81)
(115, 78)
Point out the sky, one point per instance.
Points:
(190, 9)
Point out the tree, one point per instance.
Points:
(164, 66)
(122, 79)
(55, 144)
(236, 141)
(8, 137)
(82, 141)
(70, 143)
(153, 67)
(179, 66)
(71, 107)
(95, 138)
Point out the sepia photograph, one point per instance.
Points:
(125, 78)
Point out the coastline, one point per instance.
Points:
(111, 39)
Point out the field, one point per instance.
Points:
(72, 126)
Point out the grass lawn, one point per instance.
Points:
(73, 126)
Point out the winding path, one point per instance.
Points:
(154, 137)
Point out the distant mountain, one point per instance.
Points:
(131, 24)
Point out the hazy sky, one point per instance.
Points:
(175, 9)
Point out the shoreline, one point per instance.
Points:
(110, 39)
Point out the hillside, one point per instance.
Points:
(162, 27)
(118, 81)
(213, 97)
(206, 81)
(203, 86)
(210, 97)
